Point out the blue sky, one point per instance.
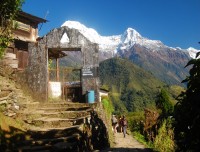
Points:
(175, 22)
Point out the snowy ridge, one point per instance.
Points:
(106, 43)
(122, 42)
(192, 52)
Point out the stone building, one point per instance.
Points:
(34, 54)
(26, 31)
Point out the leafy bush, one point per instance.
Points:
(135, 121)
(164, 141)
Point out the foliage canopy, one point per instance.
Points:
(8, 12)
(187, 113)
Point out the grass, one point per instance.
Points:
(11, 131)
(7, 122)
(142, 140)
(108, 108)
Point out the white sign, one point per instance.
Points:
(55, 89)
(87, 71)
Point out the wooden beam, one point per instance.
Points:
(57, 70)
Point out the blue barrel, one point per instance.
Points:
(91, 96)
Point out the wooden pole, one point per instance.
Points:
(57, 70)
(63, 85)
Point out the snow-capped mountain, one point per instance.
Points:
(121, 42)
(166, 63)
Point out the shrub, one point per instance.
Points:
(164, 141)
(135, 121)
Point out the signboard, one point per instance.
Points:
(89, 72)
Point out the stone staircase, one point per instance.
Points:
(58, 127)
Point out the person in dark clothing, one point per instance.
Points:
(120, 124)
(124, 123)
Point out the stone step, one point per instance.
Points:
(53, 126)
(58, 122)
(27, 116)
(59, 109)
(30, 148)
(69, 104)
(62, 146)
(34, 130)
(56, 104)
(39, 111)
(59, 105)
(49, 141)
(55, 132)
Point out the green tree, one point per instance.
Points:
(163, 102)
(8, 12)
(187, 111)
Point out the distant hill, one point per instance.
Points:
(164, 62)
(131, 87)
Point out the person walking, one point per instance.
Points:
(120, 124)
(114, 123)
(124, 125)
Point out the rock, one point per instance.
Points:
(11, 114)
(16, 106)
(3, 102)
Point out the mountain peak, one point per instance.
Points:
(130, 35)
(90, 33)
(133, 32)
(129, 38)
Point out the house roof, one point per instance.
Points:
(103, 90)
(33, 18)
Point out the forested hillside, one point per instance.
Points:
(131, 88)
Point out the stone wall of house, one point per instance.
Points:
(34, 78)
(36, 74)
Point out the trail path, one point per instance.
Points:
(127, 144)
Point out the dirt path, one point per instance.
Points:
(127, 144)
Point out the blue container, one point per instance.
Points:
(91, 96)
